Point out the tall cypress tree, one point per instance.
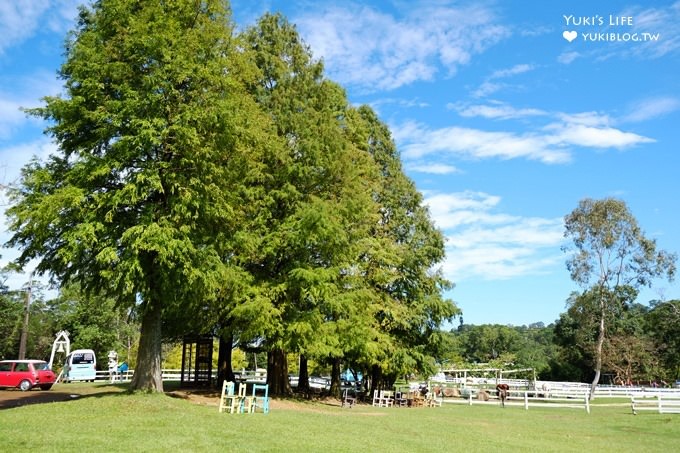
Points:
(158, 146)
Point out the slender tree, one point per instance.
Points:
(611, 258)
(157, 148)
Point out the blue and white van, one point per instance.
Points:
(81, 365)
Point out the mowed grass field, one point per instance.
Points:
(106, 418)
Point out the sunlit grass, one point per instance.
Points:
(108, 419)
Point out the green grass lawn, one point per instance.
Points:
(108, 419)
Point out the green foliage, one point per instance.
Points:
(662, 323)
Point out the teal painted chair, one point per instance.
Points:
(260, 399)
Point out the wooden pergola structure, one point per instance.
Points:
(197, 351)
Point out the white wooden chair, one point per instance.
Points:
(244, 400)
(228, 401)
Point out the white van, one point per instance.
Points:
(81, 365)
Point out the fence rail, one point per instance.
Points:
(525, 398)
(662, 403)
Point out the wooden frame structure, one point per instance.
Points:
(197, 351)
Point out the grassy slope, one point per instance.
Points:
(110, 421)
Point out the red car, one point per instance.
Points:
(26, 374)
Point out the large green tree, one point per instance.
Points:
(319, 204)
(401, 268)
(611, 258)
(157, 151)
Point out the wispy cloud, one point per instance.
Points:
(568, 57)
(652, 108)
(13, 158)
(494, 110)
(484, 243)
(661, 20)
(549, 143)
(509, 72)
(373, 50)
(24, 94)
(432, 168)
(492, 83)
(22, 19)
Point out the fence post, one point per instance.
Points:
(587, 404)
(470, 398)
(660, 406)
(526, 400)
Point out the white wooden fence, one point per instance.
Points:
(662, 403)
(525, 398)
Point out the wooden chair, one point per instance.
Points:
(348, 400)
(260, 398)
(376, 397)
(244, 400)
(386, 398)
(229, 401)
(400, 400)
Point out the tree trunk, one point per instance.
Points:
(277, 373)
(148, 375)
(376, 380)
(225, 371)
(303, 378)
(598, 353)
(335, 377)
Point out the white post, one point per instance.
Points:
(470, 398)
(526, 400)
(587, 404)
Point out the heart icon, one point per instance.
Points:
(569, 35)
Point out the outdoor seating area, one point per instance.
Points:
(242, 403)
(410, 398)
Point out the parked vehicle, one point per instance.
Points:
(81, 365)
(26, 374)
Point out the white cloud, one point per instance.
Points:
(485, 244)
(13, 158)
(549, 143)
(594, 137)
(661, 20)
(652, 108)
(568, 57)
(22, 19)
(474, 143)
(372, 50)
(19, 20)
(491, 84)
(24, 95)
(433, 168)
(487, 88)
(496, 110)
(509, 72)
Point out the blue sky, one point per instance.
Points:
(506, 114)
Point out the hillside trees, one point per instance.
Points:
(611, 259)
(157, 150)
